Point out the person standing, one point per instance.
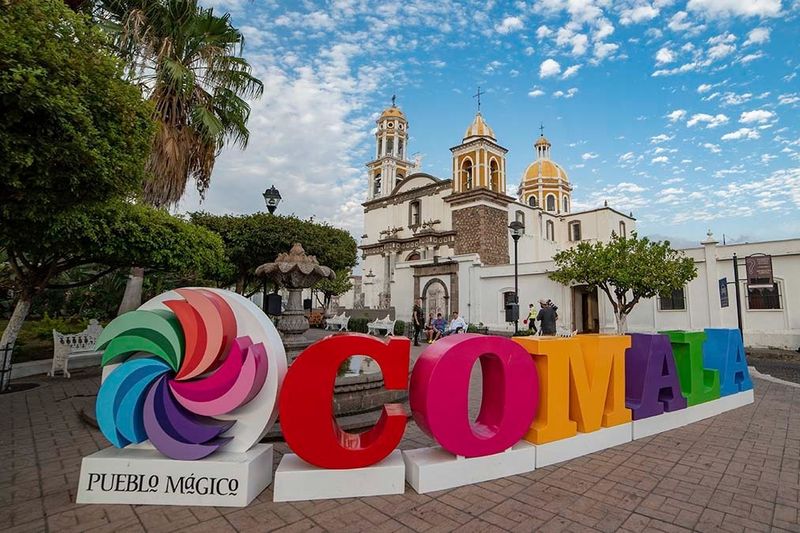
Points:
(531, 320)
(418, 319)
(547, 318)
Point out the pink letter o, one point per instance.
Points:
(439, 395)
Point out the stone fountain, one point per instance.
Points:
(295, 271)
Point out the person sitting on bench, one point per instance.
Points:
(456, 325)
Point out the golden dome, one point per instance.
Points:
(479, 128)
(542, 141)
(545, 169)
(392, 112)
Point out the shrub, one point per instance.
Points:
(358, 325)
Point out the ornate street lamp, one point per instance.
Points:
(272, 197)
(517, 229)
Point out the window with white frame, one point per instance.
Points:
(759, 298)
(673, 301)
(622, 232)
(550, 202)
(565, 204)
(533, 201)
(575, 231)
(550, 231)
(415, 213)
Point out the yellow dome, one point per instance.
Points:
(542, 141)
(392, 112)
(545, 169)
(479, 128)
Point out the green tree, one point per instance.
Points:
(626, 269)
(334, 287)
(72, 130)
(96, 240)
(252, 240)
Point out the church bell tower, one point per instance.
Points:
(390, 166)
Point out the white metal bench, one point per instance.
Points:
(374, 327)
(338, 321)
(72, 345)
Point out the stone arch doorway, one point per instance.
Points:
(435, 298)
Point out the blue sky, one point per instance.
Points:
(685, 113)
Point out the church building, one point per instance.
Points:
(447, 241)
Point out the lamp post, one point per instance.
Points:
(517, 230)
(272, 197)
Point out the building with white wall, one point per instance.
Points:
(446, 240)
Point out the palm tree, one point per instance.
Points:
(188, 62)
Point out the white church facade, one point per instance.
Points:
(447, 241)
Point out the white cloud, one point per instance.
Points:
(529, 50)
(542, 32)
(676, 115)
(711, 121)
(721, 45)
(741, 133)
(742, 8)
(549, 68)
(681, 23)
(713, 148)
(664, 56)
(570, 71)
(637, 14)
(568, 94)
(704, 88)
(660, 159)
(758, 116)
(731, 98)
(509, 25)
(535, 93)
(589, 155)
(757, 36)
(627, 157)
(751, 57)
(660, 138)
(603, 50)
(786, 99)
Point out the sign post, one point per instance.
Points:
(723, 293)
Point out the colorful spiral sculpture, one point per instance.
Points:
(177, 368)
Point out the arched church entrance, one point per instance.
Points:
(436, 298)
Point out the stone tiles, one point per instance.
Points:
(739, 471)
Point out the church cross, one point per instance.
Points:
(541, 128)
(478, 96)
(394, 97)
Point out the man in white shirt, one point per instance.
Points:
(456, 325)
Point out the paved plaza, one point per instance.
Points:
(739, 471)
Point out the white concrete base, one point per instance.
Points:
(581, 444)
(297, 480)
(430, 469)
(43, 366)
(675, 419)
(138, 476)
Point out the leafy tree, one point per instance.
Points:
(252, 240)
(95, 241)
(626, 269)
(188, 61)
(72, 130)
(334, 287)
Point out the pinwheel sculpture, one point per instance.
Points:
(177, 374)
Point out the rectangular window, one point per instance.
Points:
(764, 297)
(575, 231)
(676, 301)
(414, 213)
(622, 229)
(551, 231)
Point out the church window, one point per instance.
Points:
(574, 231)
(415, 213)
(565, 205)
(400, 149)
(380, 146)
(622, 232)
(764, 297)
(519, 216)
(377, 185)
(551, 202)
(673, 301)
(550, 231)
(466, 170)
(533, 201)
(413, 256)
(494, 175)
(390, 146)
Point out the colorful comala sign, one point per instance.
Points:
(200, 370)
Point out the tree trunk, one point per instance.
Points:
(132, 298)
(10, 335)
(622, 323)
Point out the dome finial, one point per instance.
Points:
(394, 99)
(478, 96)
(541, 129)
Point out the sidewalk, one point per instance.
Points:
(739, 471)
